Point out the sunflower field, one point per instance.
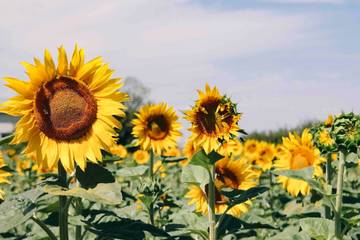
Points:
(79, 165)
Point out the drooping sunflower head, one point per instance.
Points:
(66, 111)
(346, 131)
(236, 174)
(198, 196)
(3, 175)
(298, 153)
(214, 119)
(156, 127)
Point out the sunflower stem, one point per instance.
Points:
(327, 209)
(211, 203)
(339, 193)
(151, 164)
(63, 213)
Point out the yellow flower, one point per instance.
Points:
(159, 168)
(156, 127)
(213, 118)
(334, 156)
(265, 156)
(66, 111)
(251, 149)
(234, 174)
(119, 150)
(298, 153)
(231, 148)
(23, 165)
(329, 121)
(141, 156)
(325, 138)
(189, 150)
(3, 176)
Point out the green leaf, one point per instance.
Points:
(352, 157)
(106, 193)
(302, 174)
(205, 160)
(291, 232)
(195, 175)
(132, 171)
(108, 224)
(239, 196)
(318, 228)
(231, 225)
(173, 159)
(17, 209)
(6, 139)
(306, 175)
(93, 175)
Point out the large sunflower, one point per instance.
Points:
(66, 111)
(234, 174)
(214, 120)
(156, 127)
(298, 152)
(3, 175)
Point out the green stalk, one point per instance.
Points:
(78, 209)
(63, 213)
(339, 193)
(44, 227)
(211, 203)
(327, 209)
(151, 164)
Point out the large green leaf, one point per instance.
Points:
(106, 193)
(107, 224)
(236, 196)
(93, 175)
(205, 160)
(306, 175)
(17, 209)
(232, 225)
(318, 228)
(132, 171)
(195, 175)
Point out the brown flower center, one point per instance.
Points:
(64, 109)
(158, 127)
(227, 177)
(302, 159)
(209, 119)
(219, 199)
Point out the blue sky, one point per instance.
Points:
(283, 61)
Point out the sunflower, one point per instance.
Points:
(172, 152)
(214, 120)
(329, 121)
(119, 150)
(231, 148)
(156, 127)
(235, 174)
(251, 148)
(141, 156)
(3, 175)
(66, 111)
(298, 153)
(265, 156)
(325, 138)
